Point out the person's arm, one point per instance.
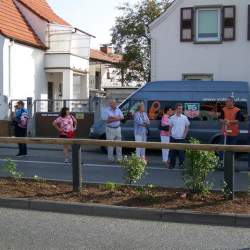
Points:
(237, 118)
(74, 122)
(222, 119)
(55, 125)
(147, 119)
(186, 128)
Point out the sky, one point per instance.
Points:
(93, 16)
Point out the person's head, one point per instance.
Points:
(112, 104)
(230, 102)
(168, 111)
(19, 104)
(64, 112)
(178, 108)
(140, 107)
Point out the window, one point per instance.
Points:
(195, 111)
(197, 77)
(208, 24)
(129, 108)
(186, 24)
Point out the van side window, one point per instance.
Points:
(195, 111)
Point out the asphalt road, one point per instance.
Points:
(96, 168)
(30, 230)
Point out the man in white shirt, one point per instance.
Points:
(179, 125)
(113, 116)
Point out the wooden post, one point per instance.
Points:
(229, 168)
(76, 167)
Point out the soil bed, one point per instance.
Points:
(124, 196)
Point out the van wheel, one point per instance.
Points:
(103, 149)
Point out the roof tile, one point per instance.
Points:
(101, 56)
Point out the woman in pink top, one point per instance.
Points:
(165, 133)
(66, 125)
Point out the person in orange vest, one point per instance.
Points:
(230, 118)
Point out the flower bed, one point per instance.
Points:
(111, 194)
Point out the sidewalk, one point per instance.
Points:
(34, 147)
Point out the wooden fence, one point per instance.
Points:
(76, 144)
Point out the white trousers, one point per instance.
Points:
(140, 152)
(165, 152)
(114, 134)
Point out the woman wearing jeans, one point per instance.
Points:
(165, 133)
(141, 123)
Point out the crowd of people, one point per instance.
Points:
(173, 128)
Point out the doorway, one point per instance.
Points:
(50, 96)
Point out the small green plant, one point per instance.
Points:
(37, 178)
(226, 191)
(10, 167)
(199, 164)
(110, 186)
(134, 168)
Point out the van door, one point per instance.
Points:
(128, 109)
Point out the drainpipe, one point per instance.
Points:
(10, 66)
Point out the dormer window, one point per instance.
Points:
(208, 25)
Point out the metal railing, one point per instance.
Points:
(55, 105)
(76, 144)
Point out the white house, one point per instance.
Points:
(202, 40)
(104, 68)
(41, 55)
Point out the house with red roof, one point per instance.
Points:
(41, 55)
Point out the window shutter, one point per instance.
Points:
(186, 24)
(248, 27)
(229, 24)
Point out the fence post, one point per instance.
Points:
(76, 167)
(229, 167)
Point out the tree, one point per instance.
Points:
(131, 37)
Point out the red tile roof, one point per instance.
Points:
(14, 25)
(101, 56)
(42, 9)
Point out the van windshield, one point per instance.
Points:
(196, 111)
(129, 107)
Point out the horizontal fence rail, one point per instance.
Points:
(128, 144)
(229, 151)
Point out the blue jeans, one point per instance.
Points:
(175, 153)
(231, 140)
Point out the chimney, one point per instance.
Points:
(107, 49)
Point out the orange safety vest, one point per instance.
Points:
(230, 114)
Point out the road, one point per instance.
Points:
(96, 169)
(31, 230)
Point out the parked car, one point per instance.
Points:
(202, 100)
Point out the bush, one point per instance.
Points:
(134, 168)
(111, 186)
(199, 165)
(10, 168)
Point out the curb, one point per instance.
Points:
(177, 216)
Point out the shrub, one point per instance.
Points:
(134, 168)
(199, 165)
(10, 168)
(110, 186)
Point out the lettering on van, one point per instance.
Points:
(192, 110)
(223, 99)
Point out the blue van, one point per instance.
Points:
(202, 100)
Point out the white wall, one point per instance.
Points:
(39, 25)
(2, 41)
(25, 65)
(227, 61)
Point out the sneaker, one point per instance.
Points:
(66, 160)
(19, 155)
